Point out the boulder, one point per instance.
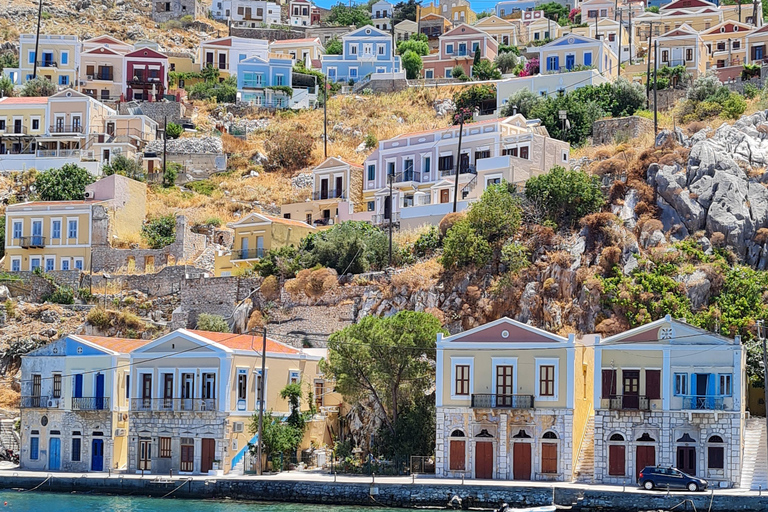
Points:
(5, 294)
(697, 288)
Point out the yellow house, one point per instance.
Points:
(456, 11)
(503, 31)
(58, 59)
(102, 67)
(683, 47)
(756, 45)
(21, 121)
(513, 403)
(255, 234)
(573, 51)
(726, 44)
(299, 49)
(617, 36)
(543, 29)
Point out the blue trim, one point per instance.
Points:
(237, 458)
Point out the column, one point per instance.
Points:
(503, 462)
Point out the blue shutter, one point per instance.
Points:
(711, 391)
(588, 58)
(34, 447)
(691, 404)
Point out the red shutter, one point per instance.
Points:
(548, 458)
(457, 456)
(616, 461)
(653, 384)
(609, 383)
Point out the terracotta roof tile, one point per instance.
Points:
(121, 345)
(289, 222)
(246, 342)
(24, 101)
(289, 42)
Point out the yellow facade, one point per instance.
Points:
(456, 11)
(726, 44)
(298, 49)
(21, 120)
(57, 58)
(503, 31)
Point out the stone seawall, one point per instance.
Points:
(417, 495)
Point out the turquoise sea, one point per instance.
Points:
(44, 502)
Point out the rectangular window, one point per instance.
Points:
(524, 152)
(294, 377)
(445, 163)
(609, 384)
(17, 229)
(449, 49)
(75, 449)
(165, 447)
(462, 380)
(64, 58)
(127, 386)
(36, 383)
(587, 58)
(371, 172)
(34, 448)
(371, 206)
(427, 164)
(72, 230)
(725, 384)
(681, 384)
(259, 383)
(353, 49)
(319, 393)
(16, 265)
(56, 385)
(242, 386)
(381, 49)
(35, 124)
(79, 263)
(50, 264)
(689, 53)
(547, 380)
(65, 264)
(56, 229)
(63, 80)
(479, 155)
(279, 80)
(715, 457)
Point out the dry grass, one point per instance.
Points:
(9, 399)
(409, 236)
(420, 276)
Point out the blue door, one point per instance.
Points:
(54, 454)
(78, 391)
(99, 402)
(97, 455)
(569, 62)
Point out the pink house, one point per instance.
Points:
(457, 48)
(146, 75)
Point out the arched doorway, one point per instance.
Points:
(645, 454)
(484, 455)
(456, 461)
(549, 449)
(617, 455)
(686, 454)
(521, 456)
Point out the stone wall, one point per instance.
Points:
(608, 131)
(167, 281)
(668, 98)
(213, 295)
(270, 34)
(156, 110)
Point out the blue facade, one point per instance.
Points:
(367, 50)
(255, 75)
(504, 9)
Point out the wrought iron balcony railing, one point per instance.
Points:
(492, 401)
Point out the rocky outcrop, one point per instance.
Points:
(721, 187)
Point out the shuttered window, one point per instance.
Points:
(715, 457)
(462, 379)
(609, 383)
(653, 384)
(165, 447)
(548, 457)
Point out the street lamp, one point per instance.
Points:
(564, 123)
(106, 277)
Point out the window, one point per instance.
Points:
(457, 452)
(165, 447)
(479, 155)
(16, 265)
(665, 56)
(524, 152)
(689, 54)
(34, 263)
(547, 380)
(127, 386)
(681, 384)
(653, 384)
(294, 377)
(427, 164)
(319, 393)
(445, 163)
(36, 383)
(50, 264)
(63, 80)
(79, 263)
(75, 455)
(371, 206)
(449, 49)
(65, 58)
(56, 385)
(72, 230)
(462, 380)
(475, 46)
(371, 172)
(587, 58)
(429, 73)
(725, 384)
(35, 124)
(611, 37)
(17, 229)
(380, 49)
(259, 383)
(609, 383)
(279, 80)
(352, 72)
(353, 49)
(242, 386)
(34, 448)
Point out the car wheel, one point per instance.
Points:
(693, 487)
(648, 485)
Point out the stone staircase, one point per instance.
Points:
(754, 469)
(585, 466)
(9, 438)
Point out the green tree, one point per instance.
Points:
(506, 62)
(486, 70)
(416, 45)
(210, 73)
(463, 247)
(653, 9)
(40, 86)
(522, 101)
(159, 231)
(170, 174)
(458, 73)
(406, 11)
(334, 47)
(415, 431)
(212, 323)
(8, 60)
(566, 196)
(351, 247)
(474, 96)
(6, 86)
(344, 15)
(581, 116)
(389, 360)
(283, 262)
(224, 92)
(412, 64)
(476, 58)
(124, 166)
(734, 106)
(173, 130)
(554, 11)
(278, 437)
(66, 183)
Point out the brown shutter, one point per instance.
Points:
(616, 461)
(457, 456)
(716, 457)
(609, 383)
(653, 384)
(549, 458)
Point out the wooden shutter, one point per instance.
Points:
(549, 458)
(457, 456)
(616, 460)
(715, 457)
(653, 384)
(609, 383)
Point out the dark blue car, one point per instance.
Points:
(669, 478)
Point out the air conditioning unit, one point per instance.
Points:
(53, 403)
(89, 77)
(88, 194)
(119, 432)
(237, 426)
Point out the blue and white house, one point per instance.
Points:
(367, 51)
(262, 82)
(573, 52)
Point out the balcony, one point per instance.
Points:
(66, 128)
(253, 84)
(34, 402)
(629, 403)
(62, 153)
(173, 404)
(487, 401)
(328, 194)
(140, 80)
(30, 242)
(384, 220)
(247, 254)
(703, 402)
(14, 130)
(47, 63)
(465, 169)
(407, 176)
(97, 403)
(107, 77)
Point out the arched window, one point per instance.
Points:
(617, 437)
(617, 455)
(715, 453)
(457, 453)
(549, 453)
(549, 435)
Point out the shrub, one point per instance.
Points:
(282, 262)
(212, 221)
(458, 73)
(98, 317)
(370, 141)
(334, 47)
(496, 216)
(427, 243)
(486, 70)
(449, 220)
(515, 257)
(203, 187)
(703, 87)
(351, 247)
(506, 62)
(270, 288)
(734, 106)
(523, 101)
(566, 196)
(61, 295)
(463, 246)
(171, 173)
(415, 45)
(124, 166)
(85, 294)
(173, 130)
(223, 92)
(472, 97)
(66, 183)
(412, 63)
(39, 86)
(212, 323)
(6, 86)
(289, 151)
(751, 91)
(160, 231)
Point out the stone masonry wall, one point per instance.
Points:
(606, 131)
(157, 110)
(165, 282)
(270, 34)
(217, 295)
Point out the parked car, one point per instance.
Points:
(672, 478)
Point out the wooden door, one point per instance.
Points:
(631, 379)
(504, 388)
(456, 460)
(686, 459)
(483, 459)
(549, 457)
(146, 390)
(616, 459)
(207, 454)
(445, 196)
(97, 455)
(187, 456)
(645, 456)
(339, 191)
(145, 455)
(521, 461)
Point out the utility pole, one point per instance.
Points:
(261, 396)
(391, 178)
(621, 20)
(165, 142)
(655, 89)
(648, 71)
(630, 36)
(761, 337)
(458, 163)
(597, 28)
(326, 86)
(418, 19)
(739, 11)
(615, 10)
(37, 38)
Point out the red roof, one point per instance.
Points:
(24, 101)
(291, 41)
(246, 342)
(223, 42)
(121, 345)
(289, 222)
(20, 206)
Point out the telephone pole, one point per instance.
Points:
(165, 143)
(37, 38)
(630, 36)
(648, 71)
(761, 337)
(326, 86)
(655, 89)
(621, 21)
(458, 163)
(391, 178)
(261, 398)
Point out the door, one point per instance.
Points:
(54, 454)
(483, 459)
(187, 455)
(111, 129)
(631, 380)
(445, 196)
(168, 391)
(207, 454)
(99, 402)
(323, 189)
(37, 232)
(616, 459)
(521, 461)
(78, 392)
(504, 389)
(387, 208)
(97, 455)
(464, 163)
(549, 458)
(686, 459)
(339, 187)
(646, 456)
(145, 454)
(569, 62)
(146, 390)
